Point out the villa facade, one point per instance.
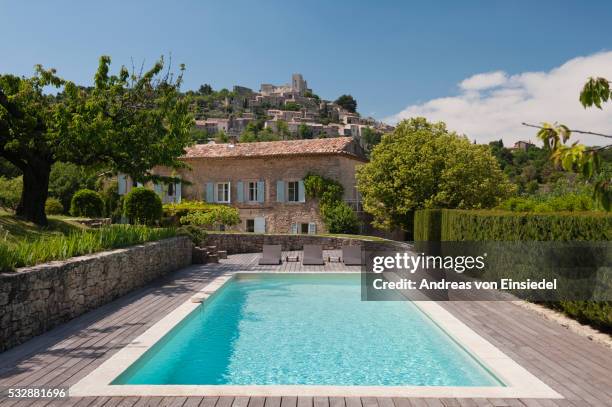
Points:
(265, 181)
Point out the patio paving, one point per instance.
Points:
(572, 365)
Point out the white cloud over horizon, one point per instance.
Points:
(492, 105)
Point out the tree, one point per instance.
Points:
(577, 157)
(304, 131)
(67, 178)
(370, 137)
(205, 89)
(423, 165)
(125, 123)
(347, 102)
(282, 130)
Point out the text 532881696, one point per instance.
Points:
(34, 392)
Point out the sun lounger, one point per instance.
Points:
(313, 255)
(271, 255)
(351, 255)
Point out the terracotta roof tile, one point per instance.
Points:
(334, 145)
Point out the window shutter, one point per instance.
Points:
(121, 184)
(139, 184)
(301, 192)
(280, 191)
(260, 225)
(229, 192)
(261, 191)
(210, 192)
(158, 189)
(294, 228)
(312, 228)
(239, 191)
(177, 192)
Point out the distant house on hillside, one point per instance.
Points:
(523, 145)
(265, 180)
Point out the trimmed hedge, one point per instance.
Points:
(53, 206)
(87, 203)
(142, 206)
(435, 225)
(488, 225)
(427, 225)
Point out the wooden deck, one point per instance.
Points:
(572, 365)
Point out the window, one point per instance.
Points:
(250, 225)
(170, 189)
(304, 228)
(293, 194)
(252, 192)
(223, 192)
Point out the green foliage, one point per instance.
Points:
(53, 206)
(67, 178)
(337, 215)
(10, 192)
(462, 225)
(291, 106)
(347, 102)
(339, 218)
(221, 137)
(195, 233)
(304, 131)
(427, 225)
(113, 203)
(126, 123)
(549, 203)
(204, 214)
(595, 91)
(87, 203)
(58, 247)
(370, 138)
(142, 206)
(594, 313)
(423, 165)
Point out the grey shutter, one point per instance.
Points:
(260, 225)
(280, 191)
(229, 192)
(158, 189)
(260, 191)
(121, 184)
(301, 192)
(210, 192)
(294, 228)
(177, 192)
(239, 191)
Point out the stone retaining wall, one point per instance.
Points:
(252, 243)
(35, 299)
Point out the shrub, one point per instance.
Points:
(202, 213)
(87, 203)
(337, 215)
(112, 200)
(142, 206)
(195, 233)
(340, 218)
(10, 192)
(57, 247)
(66, 179)
(571, 202)
(53, 206)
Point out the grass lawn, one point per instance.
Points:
(360, 237)
(14, 230)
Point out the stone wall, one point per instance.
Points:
(252, 243)
(35, 299)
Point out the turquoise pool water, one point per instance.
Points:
(307, 330)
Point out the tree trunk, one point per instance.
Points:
(34, 193)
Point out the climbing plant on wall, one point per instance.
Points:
(337, 215)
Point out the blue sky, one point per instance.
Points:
(388, 54)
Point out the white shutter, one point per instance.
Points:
(294, 228)
(121, 184)
(260, 225)
(229, 192)
(301, 192)
(158, 189)
(312, 228)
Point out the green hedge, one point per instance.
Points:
(488, 225)
(446, 225)
(427, 225)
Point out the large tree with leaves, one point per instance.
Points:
(125, 123)
(423, 165)
(577, 157)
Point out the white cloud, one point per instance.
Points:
(493, 105)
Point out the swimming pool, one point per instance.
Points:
(308, 334)
(306, 330)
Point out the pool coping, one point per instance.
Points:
(519, 383)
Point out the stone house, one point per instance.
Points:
(265, 180)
